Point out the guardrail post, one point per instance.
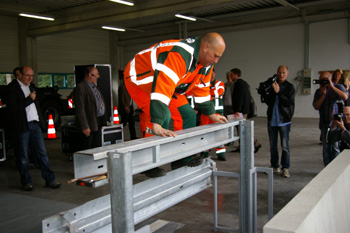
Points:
(247, 163)
(121, 189)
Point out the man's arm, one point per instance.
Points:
(319, 97)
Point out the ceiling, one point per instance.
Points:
(155, 18)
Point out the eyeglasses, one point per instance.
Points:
(28, 75)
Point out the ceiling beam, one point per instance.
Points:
(114, 14)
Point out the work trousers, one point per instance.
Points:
(179, 110)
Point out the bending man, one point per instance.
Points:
(158, 78)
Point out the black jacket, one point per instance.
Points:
(336, 135)
(286, 102)
(241, 97)
(15, 107)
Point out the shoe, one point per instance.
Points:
(196, 161)
(205, 154)
(276, 169)
(237, 150)
(54, 185)
(256, 149)
(221, 158)
(285, 173)
(28, 187)
(155, 172)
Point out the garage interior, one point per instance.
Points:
(148, 22)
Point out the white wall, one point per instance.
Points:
(59, 53)
(258, 53)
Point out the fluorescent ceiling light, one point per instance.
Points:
(186, 17)
(114, 29)
(123, 2)
(37, 16)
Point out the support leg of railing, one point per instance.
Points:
(247, 163)
(121, 189)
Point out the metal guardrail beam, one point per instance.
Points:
(130, 204)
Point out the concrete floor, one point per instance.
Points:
(23, 211)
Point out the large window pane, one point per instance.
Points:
(70, 80)
(5, 79)
(58, 80)
(44, 80)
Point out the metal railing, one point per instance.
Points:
(129, 204)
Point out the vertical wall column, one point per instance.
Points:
(27, 48)
(116, 60)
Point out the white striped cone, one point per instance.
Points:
(70, 103)
(115, 116)
(51, 132)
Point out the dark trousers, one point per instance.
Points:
(128, 118)
(34, 140)
(95, 138)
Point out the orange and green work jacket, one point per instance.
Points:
(167, 68)
(217, 89)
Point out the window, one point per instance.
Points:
(6, 78)
(61, 80)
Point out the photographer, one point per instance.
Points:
(340, 130)
(325, 99)
(279, 98)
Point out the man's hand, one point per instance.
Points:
(32, 95)
(218, 118)
(340, 124)
(160, 131)
(87, 132)
(276, 87)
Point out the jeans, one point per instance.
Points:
(34, 140)
(273, 137)
(329, 151)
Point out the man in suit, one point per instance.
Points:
(89, 108)
(240, 94)
(25, 121)
(240, 97)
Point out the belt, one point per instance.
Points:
(33, 121)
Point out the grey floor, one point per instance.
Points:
(22, 211)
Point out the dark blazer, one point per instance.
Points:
(85, 107)
(16, 104)
(241, 97)
(124, 100)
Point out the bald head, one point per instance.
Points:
(324, 74)
(212, 48)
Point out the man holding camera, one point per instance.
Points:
(280, 110)
(325, 101)
(340, 130)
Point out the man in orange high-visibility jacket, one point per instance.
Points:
(158, 78)
(217, 89)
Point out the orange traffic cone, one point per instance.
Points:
(115, 116)
(51, 132)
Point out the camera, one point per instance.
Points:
(340, 114)
(321, 82)
(265, 87)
